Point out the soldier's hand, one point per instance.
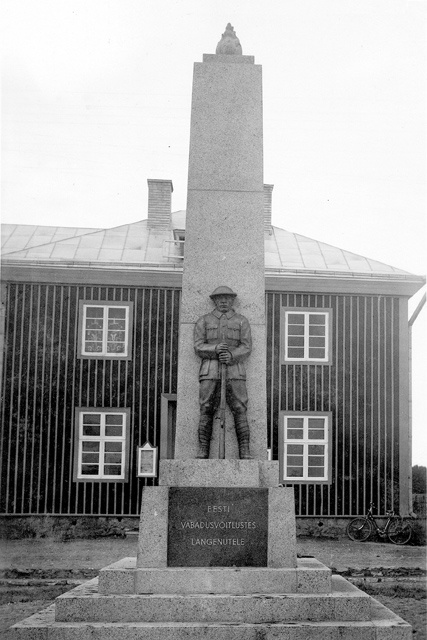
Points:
(220, 348)
(225, 357)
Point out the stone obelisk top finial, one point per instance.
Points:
(229, 43)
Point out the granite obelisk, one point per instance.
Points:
(224, 241)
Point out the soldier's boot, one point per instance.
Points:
(205, 433)
(242, 431)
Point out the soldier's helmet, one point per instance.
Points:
(222, 291)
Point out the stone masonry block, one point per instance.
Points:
(153, 528)
(281, 528)
(230, 580)
(118, 577)
(312, 576)
(84, 604)
(209, 473)
(268, 473)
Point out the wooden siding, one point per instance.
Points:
(360, 388)
(44, 382)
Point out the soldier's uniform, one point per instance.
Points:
(233, 329)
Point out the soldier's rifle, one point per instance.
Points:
(222, 412)
(222, 403)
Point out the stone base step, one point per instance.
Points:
(310, 576)
(85, 604)
(383, 624)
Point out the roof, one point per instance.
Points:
(136, 244)
(16, 237)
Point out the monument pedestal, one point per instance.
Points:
(271, 594)
(217, 513)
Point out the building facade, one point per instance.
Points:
(90, 347)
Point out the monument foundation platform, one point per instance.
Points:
(216, 562)
(343, 614)
(86, 604)
(150, 599)
(123, 577)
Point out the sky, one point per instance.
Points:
(96, 98)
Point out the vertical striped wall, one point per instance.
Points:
(43, 382)
(360, 388)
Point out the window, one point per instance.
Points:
(179, 235)
(101, 451)
(306, 335)
(105, 329)
(304, 443)
(175, 248)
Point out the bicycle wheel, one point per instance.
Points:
(359, 529)
(399, 532)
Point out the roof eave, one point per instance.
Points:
(150, 274)
(354, 284)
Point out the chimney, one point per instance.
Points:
(268, 193)
(159, 203)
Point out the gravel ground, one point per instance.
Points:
(95, 554)
(34, 572)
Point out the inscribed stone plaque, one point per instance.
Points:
(217, 527)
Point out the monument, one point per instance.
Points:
(217, 543)
(224, 235)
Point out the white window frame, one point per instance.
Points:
(306, 359)
(105, 306)
(284, 441)
(102, 439)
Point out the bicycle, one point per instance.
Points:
(398, 530)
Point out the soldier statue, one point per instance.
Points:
(223, 337)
